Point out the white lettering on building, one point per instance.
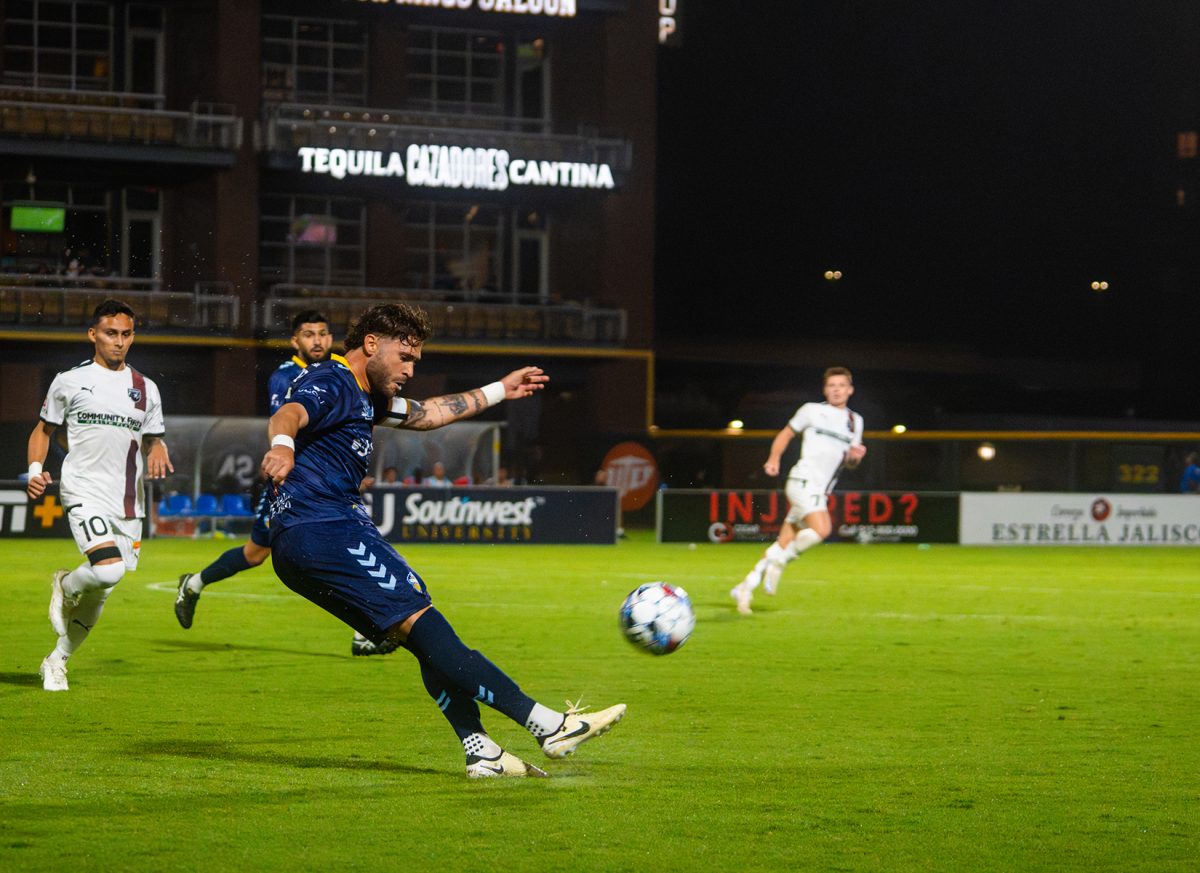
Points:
(557, 8)
(668, 12)
(439, 166)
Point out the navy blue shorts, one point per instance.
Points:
(350, 571)
(260, 534)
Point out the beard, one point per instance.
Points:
(379, 380)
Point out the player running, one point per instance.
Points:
(832, 439)
(113, 416)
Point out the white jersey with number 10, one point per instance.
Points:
(107, 412)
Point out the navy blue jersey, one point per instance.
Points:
(332, 450)
(277, 385)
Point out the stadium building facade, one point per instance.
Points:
(224, 165)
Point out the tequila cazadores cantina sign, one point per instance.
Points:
(439, 166)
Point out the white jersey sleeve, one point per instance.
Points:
(802, 418)
(54, 407)
(153, 425)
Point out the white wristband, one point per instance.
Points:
(35, 469)
(493, 393)
(282, 439)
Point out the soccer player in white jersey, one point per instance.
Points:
(114, 417)
(832, 440)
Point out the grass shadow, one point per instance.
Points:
(207, 751)
(32, 679)
(197, 646)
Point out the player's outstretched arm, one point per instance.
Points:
(441, 411)
(158, 459)
(39, 447)
(854, 455)
(289, 420)
(778, 446)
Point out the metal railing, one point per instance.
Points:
(111, 117)
(291, 126)
(471, 316)
(61, 301)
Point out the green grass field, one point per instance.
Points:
(893, 708)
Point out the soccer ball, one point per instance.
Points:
(657, 618)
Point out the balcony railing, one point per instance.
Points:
(40, 301)
(116, 118)
(483, 317)
(292, 126)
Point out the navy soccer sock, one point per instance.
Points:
(434, 641)
(230, 562)
(459, 707)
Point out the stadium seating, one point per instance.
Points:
(236, 506)
(175, 504)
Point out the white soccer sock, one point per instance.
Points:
(804, 541)
(195, 584)
(89, 577)
(755, 576)
(543, 721)
(83, 618)
(481, 745)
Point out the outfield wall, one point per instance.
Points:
(971, 518)
(403, 514)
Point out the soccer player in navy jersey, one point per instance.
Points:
(325, 547)
(312, 342)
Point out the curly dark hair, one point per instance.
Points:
(112, 307)
(394, 320)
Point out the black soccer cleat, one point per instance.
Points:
(185, 602)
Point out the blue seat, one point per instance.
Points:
(206, 504)
(175, 504)
(236, 504)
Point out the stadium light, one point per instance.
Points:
(899, 428)
(1099, 286)
(986, 451)
(833, 275)
(736, 424)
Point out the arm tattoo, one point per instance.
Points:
(417, 419)
(456, 404)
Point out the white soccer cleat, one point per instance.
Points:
(501, 766)
(61, 606)
(578, 727)
(54, 673)
(741, 595)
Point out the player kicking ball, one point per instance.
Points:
(325, 547)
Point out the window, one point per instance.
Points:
(84, 239)
(58, 44)
(452, 247)
(314, 60)
(458, 71)
(317, 240)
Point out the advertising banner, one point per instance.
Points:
(731, 516)
(22, 517)
(494, 515)
(1080, 519)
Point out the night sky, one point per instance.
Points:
(970, 167)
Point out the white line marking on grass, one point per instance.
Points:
(173, 588)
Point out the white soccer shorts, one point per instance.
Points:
(91, 527)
